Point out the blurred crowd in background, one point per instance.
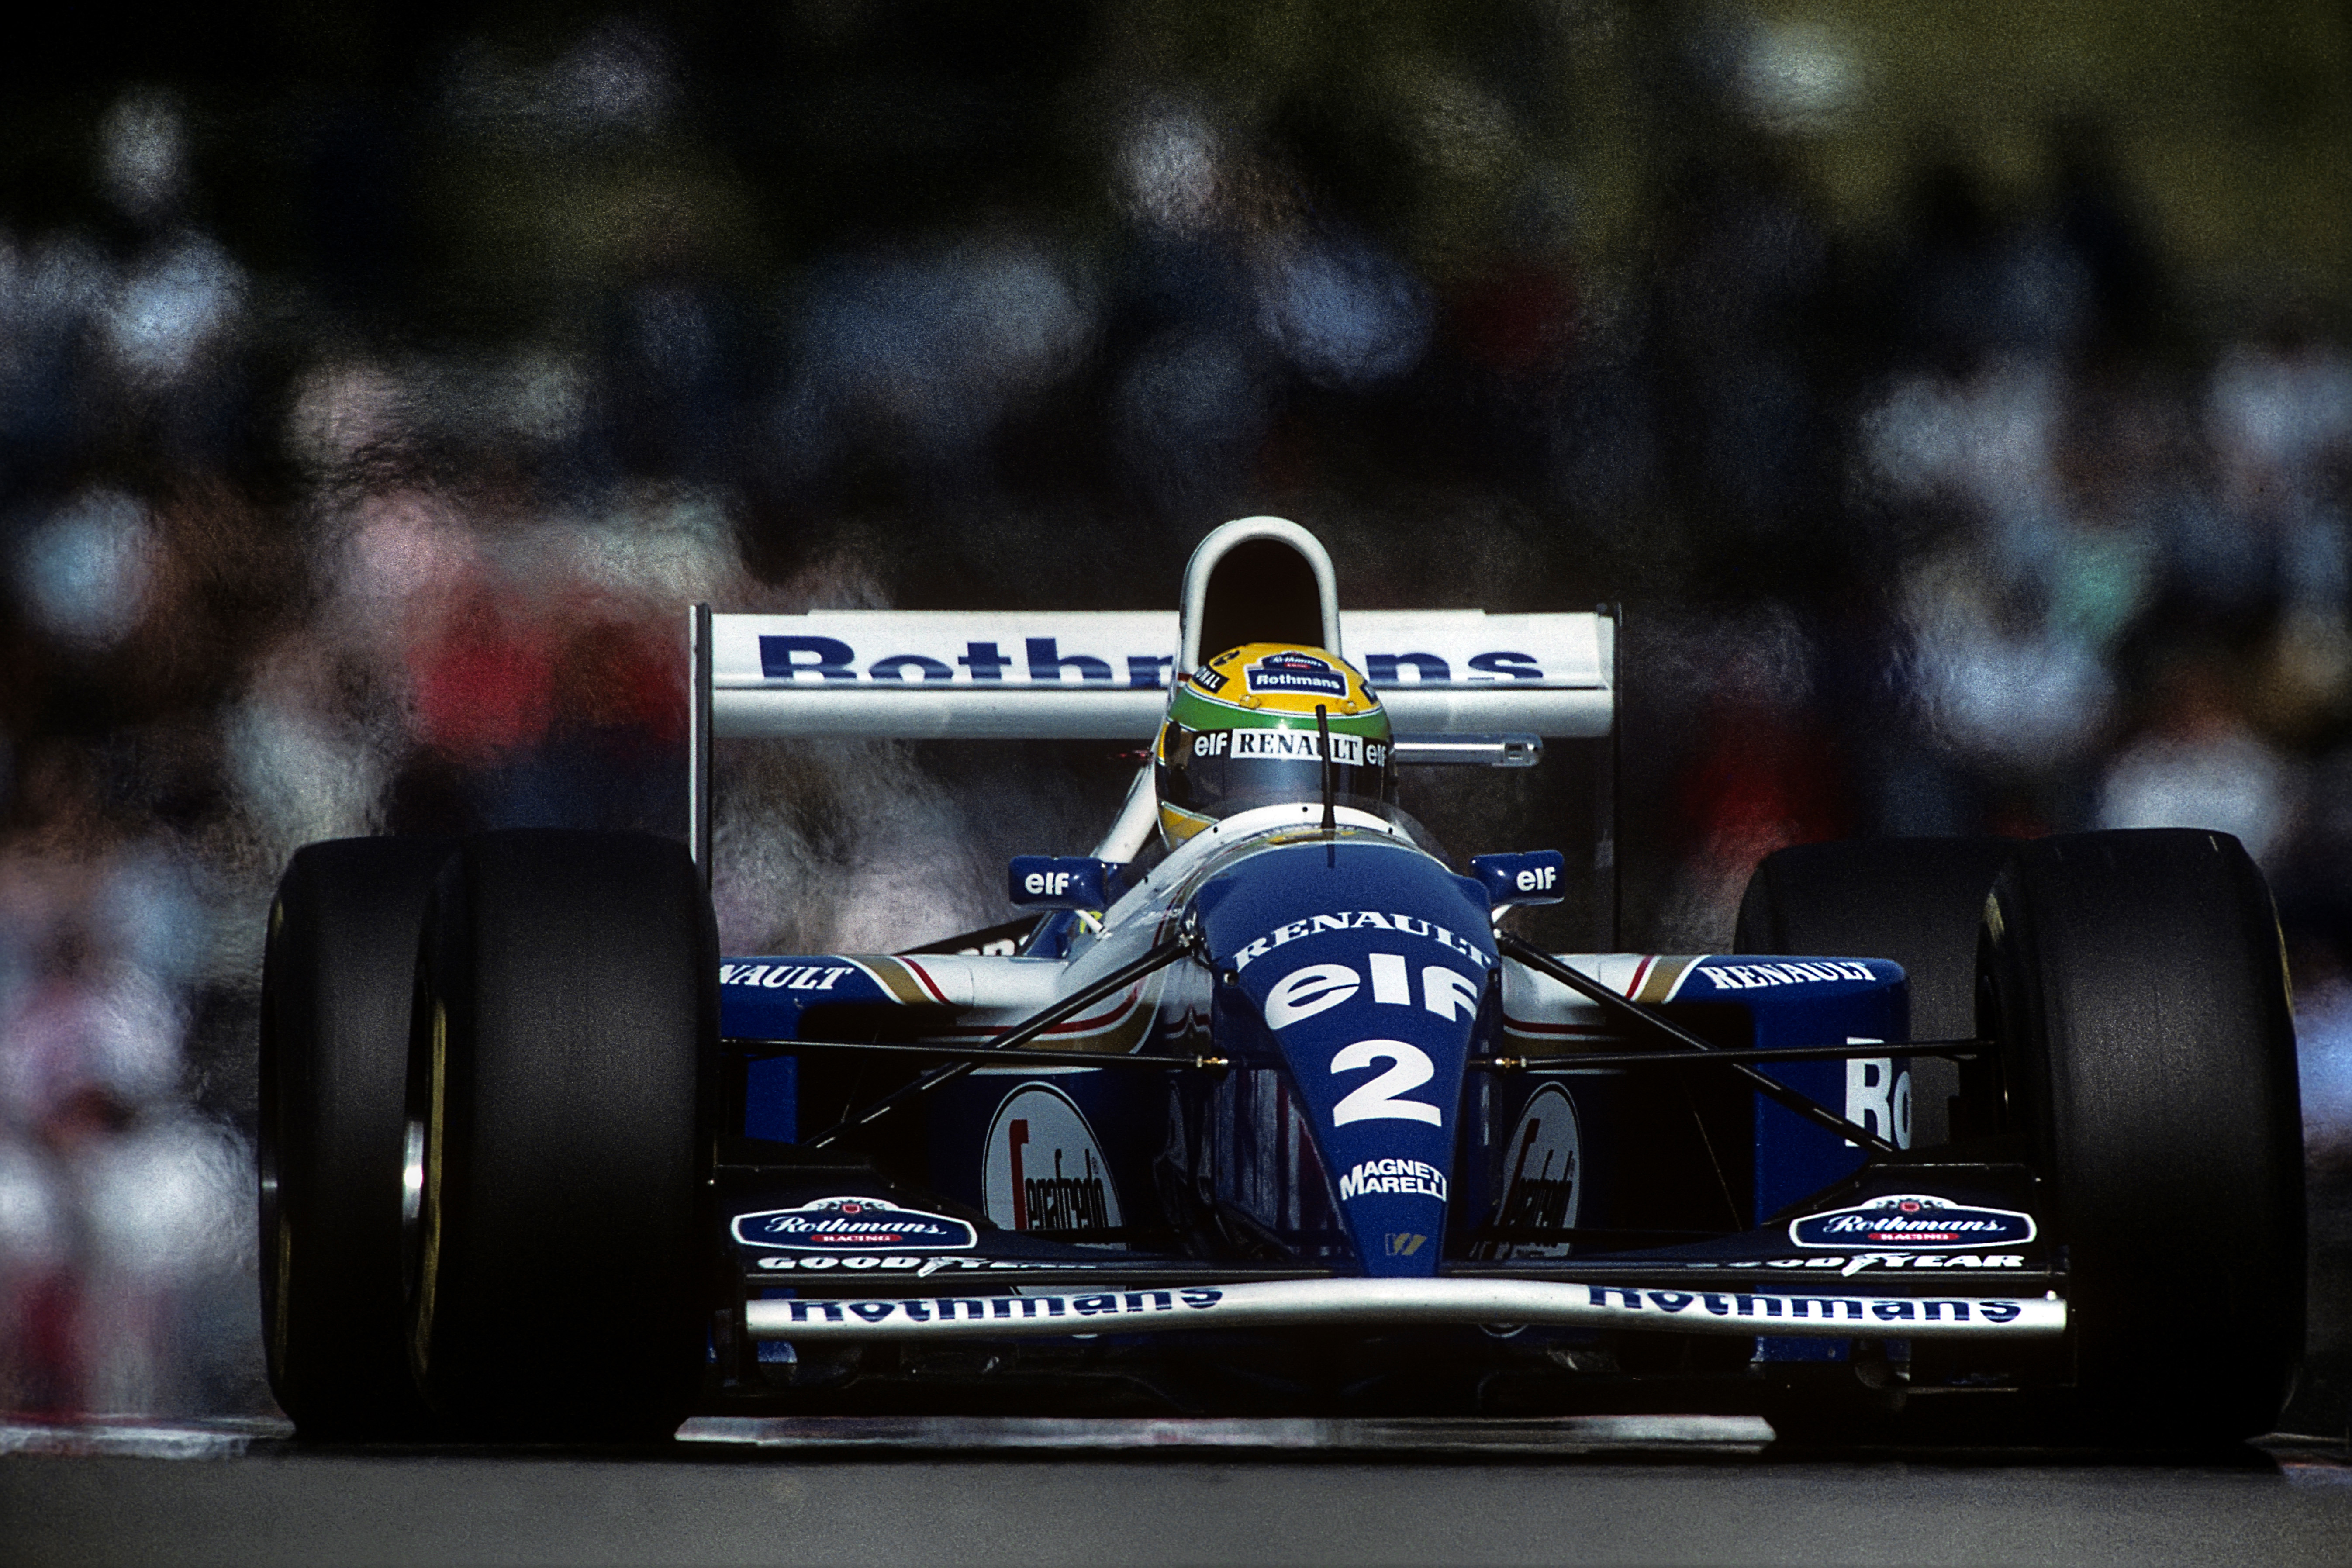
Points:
(376, 394)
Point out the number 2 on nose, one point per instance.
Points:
(1379, 1099)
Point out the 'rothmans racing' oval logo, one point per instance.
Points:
(854, 1224)
(1297, 672)
(1913, 1220)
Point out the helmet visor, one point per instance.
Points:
(1217, 773)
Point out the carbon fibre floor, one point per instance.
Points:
(1596, 1490)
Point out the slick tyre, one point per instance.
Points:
(337, 974)
(1917, 901)
(2136, 985)
(561, 1072)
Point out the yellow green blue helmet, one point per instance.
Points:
(1241, 732)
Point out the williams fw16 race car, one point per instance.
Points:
(1265, 1106)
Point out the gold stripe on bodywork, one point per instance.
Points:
(898, 980)
(1666, 976)
(1656, 979)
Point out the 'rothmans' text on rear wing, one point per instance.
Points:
(1105, 674)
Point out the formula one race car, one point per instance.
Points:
(1266, 1107)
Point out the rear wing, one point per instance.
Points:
(1105, 674)
(1503, 679)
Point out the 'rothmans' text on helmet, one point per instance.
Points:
(1241, 732)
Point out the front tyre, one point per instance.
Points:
(562, 1074)
(2136, 982)
(337, 974)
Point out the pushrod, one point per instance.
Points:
(1160, 957)
(979, 1056)
(1874, 1050)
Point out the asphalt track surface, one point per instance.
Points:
(1639, 1490)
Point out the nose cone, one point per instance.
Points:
(1370, 967)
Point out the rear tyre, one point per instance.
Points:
(562, 1073)
(2136, 982)
(1917, 901)
(337, 975)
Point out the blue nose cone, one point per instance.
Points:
(1370, 967)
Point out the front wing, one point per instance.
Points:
(1370, 1304)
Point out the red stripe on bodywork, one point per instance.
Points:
(928, 984)
(1641, 972)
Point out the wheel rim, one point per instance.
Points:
(420, 1183)
(276, 1237)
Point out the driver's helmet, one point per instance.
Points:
(1241, 732)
